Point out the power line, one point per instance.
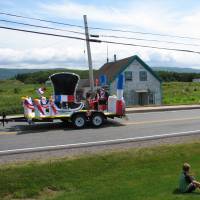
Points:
(145, 33)
(152, 47)
(99, 28)
(100, 41)
(143, 39)
(41, 33)
(42, 20)
(92, 35)
(38, 26)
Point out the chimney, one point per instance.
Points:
(115, 58)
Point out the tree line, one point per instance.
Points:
(42, 76)
(167, 76)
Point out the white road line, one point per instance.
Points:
(160, 121)
(97, 143)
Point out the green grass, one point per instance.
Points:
(139, 174)
(11, 91)
(176, 93)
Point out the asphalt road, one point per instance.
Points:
(22, 135)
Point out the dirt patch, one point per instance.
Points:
(48, 192)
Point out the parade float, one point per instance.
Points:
(62, 105)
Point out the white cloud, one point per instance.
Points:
(25, 50)
(36, 57)
(140, 15)
(155, 17)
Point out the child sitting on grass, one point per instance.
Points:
(187, 183)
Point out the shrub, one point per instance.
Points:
(17, 90)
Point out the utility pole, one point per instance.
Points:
(89, 54)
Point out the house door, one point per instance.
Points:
(142, 98)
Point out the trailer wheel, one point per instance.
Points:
(97, 119)
(79, 121)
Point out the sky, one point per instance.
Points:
(26, 50)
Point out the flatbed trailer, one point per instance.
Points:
(79, 119)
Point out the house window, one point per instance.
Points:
(143, 76)
(128, 76)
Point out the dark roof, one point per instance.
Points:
(113, 69)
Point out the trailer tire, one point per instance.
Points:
(79, 121)
(97, 119)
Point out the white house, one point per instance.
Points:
(196, 80)
(142, 85)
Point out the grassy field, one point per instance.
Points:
(175, 93)
(139, 174)
(11, 91)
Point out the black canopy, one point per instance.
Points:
(64, 83)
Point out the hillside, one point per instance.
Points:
(21, 73)
(167, 74)
(9, 73)
(42, 76)
(176, 69)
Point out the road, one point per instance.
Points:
(21, 135)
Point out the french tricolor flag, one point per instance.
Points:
(120, 82)
(120, 104)
(64, 98)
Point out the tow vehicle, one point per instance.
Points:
(62, 105)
